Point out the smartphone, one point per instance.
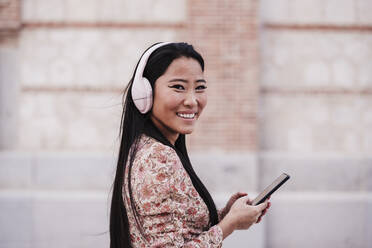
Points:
(270, 189)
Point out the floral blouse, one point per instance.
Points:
(170, 210)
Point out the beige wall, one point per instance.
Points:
(316, 76)
(315, 120)
(67, 51)
(290, 85)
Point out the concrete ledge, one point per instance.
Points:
(16, 218)
(75, 171)
(80, 219)
(93, 171)
(60, 170)
(49, 218)
(327, 172)
(53, 219)
(227, 172)
(220, 172)
(253, 237)
(326, 219)
(15, 170)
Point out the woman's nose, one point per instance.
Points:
(190, 99)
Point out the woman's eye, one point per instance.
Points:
(201, 87)
(178, 87)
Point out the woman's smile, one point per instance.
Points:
(188, 116)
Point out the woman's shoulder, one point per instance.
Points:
(150, 146)
(151, 154)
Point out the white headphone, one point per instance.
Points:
(141, 87)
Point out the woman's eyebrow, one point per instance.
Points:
(178, 80)
(186, 81)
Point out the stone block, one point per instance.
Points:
(16, 228)
(255, 236)
(369, 174)
(16, 170)
(85, 10)
(272, 11)
(340, 12)
(308, 59)
(316, 173)
(368, 229)
(55, 58)
(69, 171)
(365, 74)
(334, 12)
(70, 219)
(57, 170)
(315, 123)
(292, 12)
(305, 12)
(316, 74)
(9, 85)
(226, 172)
(300, 138)
(363, 11)
(69, 121)
(318, 220)
(16, 245)
(38, 219)
(164, 11)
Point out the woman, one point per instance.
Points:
(158, 200)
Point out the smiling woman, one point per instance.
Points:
(158, 200)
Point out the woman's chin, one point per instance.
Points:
(187, 131)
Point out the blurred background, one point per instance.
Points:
(290, 90)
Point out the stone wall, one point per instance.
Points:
(290, 85)
(315, 121)
(75, 59)
(10, 22)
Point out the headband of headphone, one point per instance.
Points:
(141, 87)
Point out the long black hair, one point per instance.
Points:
(133, 125)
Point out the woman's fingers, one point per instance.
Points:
(262, 206)
(235, 197)
(264, 210)
(239, 195)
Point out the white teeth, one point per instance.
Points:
(186, 116)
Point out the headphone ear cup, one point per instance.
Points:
(148, 99)
(142, 95)
(141, 87)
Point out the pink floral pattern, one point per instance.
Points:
(171, 211)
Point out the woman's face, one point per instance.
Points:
(179, 98)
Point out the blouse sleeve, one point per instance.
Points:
(160, 187)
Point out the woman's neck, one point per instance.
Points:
(169, 134)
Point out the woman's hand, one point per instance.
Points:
(245, 214)
(230, 202)
(242, 215)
